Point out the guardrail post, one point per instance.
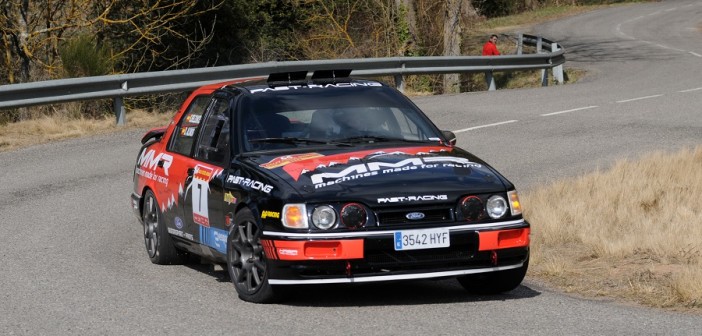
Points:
(557, 70)
(118, 106)
(520, 43)
(399, 83)
(544, 72)
(544, 77)
(490, 81)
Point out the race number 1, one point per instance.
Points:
(200, 189)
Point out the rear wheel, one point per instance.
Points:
(246, 262)
(159, 245)
(494, 282)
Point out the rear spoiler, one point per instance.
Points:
(154, 134)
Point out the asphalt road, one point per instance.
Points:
(73, 260)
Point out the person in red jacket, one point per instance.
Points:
(490, 47)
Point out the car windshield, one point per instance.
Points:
(331, 116)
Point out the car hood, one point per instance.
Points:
(367, 175)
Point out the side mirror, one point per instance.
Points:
(450, 137)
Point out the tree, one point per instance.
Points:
(156, 34)
(144, 34)
(31, 31)
(406, 19)
(456, 12)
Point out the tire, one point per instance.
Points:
(494, 282)
(246, 261)
(157, 240)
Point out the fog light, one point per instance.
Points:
(472, 208)
(354, 215)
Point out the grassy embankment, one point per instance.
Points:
(630, 232)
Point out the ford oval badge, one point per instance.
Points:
(415, 216)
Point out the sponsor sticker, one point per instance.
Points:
(287, 252)
(270, 214)
(214, 238)
(229, 198)
(187, 131)
(149, 160)
(287, 159)
(247, 182)
(362, 170)
(178, 223)
(315, 86)
(180, 234)
(297, 168)
(417, 198)
(194, 118)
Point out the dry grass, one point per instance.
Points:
(632, 231)
(57, 127)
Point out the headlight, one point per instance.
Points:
(514, 205)
(496, 207)
(472, 208)
(295, 216)
(324, 217)
(354, 215)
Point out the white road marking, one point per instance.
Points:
(483, 126)
(618, 31)
(639, 98)
(667, 47)
(690, 90)
(568, 111)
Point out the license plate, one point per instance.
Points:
(421, 239)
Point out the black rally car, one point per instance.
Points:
(321, 180)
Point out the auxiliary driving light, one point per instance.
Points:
(472, 208)
(353, 215)
(496, 207)
(324, 217)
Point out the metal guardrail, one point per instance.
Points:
(119, 86)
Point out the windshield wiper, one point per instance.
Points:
(373, 138)
(292, 140)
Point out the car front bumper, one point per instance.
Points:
(370, 256)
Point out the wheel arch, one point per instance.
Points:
(142, 198)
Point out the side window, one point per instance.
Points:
(408, 128)
(213, 145)
(184, 135)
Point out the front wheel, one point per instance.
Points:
(494, 282)
(246, 262)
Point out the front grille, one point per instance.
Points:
(397, 216)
